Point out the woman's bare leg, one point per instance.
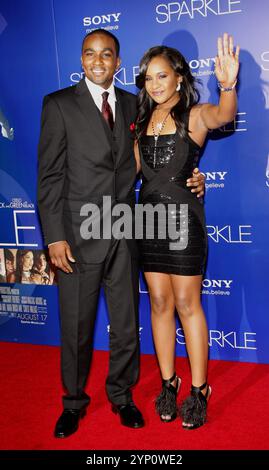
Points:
(187, 295)
(163, 322)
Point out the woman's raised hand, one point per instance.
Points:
(227, 61)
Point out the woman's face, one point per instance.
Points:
(42, 263)
(9, 266)
(161, 81)
(28, 261)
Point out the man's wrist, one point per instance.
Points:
(54, 243)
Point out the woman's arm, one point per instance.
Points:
(226, 71)
(137, 157)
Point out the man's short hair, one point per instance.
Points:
(105, 33)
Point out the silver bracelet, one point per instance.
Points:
(222, 88)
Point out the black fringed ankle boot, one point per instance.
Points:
(166, 402)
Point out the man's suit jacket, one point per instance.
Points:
(80, 161)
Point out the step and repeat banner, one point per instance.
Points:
(40, 45)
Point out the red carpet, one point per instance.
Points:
(31, 402)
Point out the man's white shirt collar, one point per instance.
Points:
(96, 92)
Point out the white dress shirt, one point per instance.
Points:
(96, 92)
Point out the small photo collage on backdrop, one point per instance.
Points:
(26, 267)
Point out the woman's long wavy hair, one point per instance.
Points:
(189, 95)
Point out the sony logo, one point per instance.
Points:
(215, 175)
(201, 63)
(217, 283)
(102, 19)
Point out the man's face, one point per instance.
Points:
(99, 59)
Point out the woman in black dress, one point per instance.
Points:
(171, 129)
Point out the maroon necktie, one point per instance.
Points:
(107, 111)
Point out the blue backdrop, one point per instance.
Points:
(40, 52)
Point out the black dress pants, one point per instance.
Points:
(79, 293)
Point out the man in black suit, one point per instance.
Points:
(81, 159)
(85, 153)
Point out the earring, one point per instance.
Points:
(178, 86)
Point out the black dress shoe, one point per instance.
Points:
(68, 422)
(130, 416)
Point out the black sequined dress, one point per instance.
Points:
(164, 174)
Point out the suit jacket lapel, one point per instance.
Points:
(97, 122)
(91, 112)
(120, 127)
